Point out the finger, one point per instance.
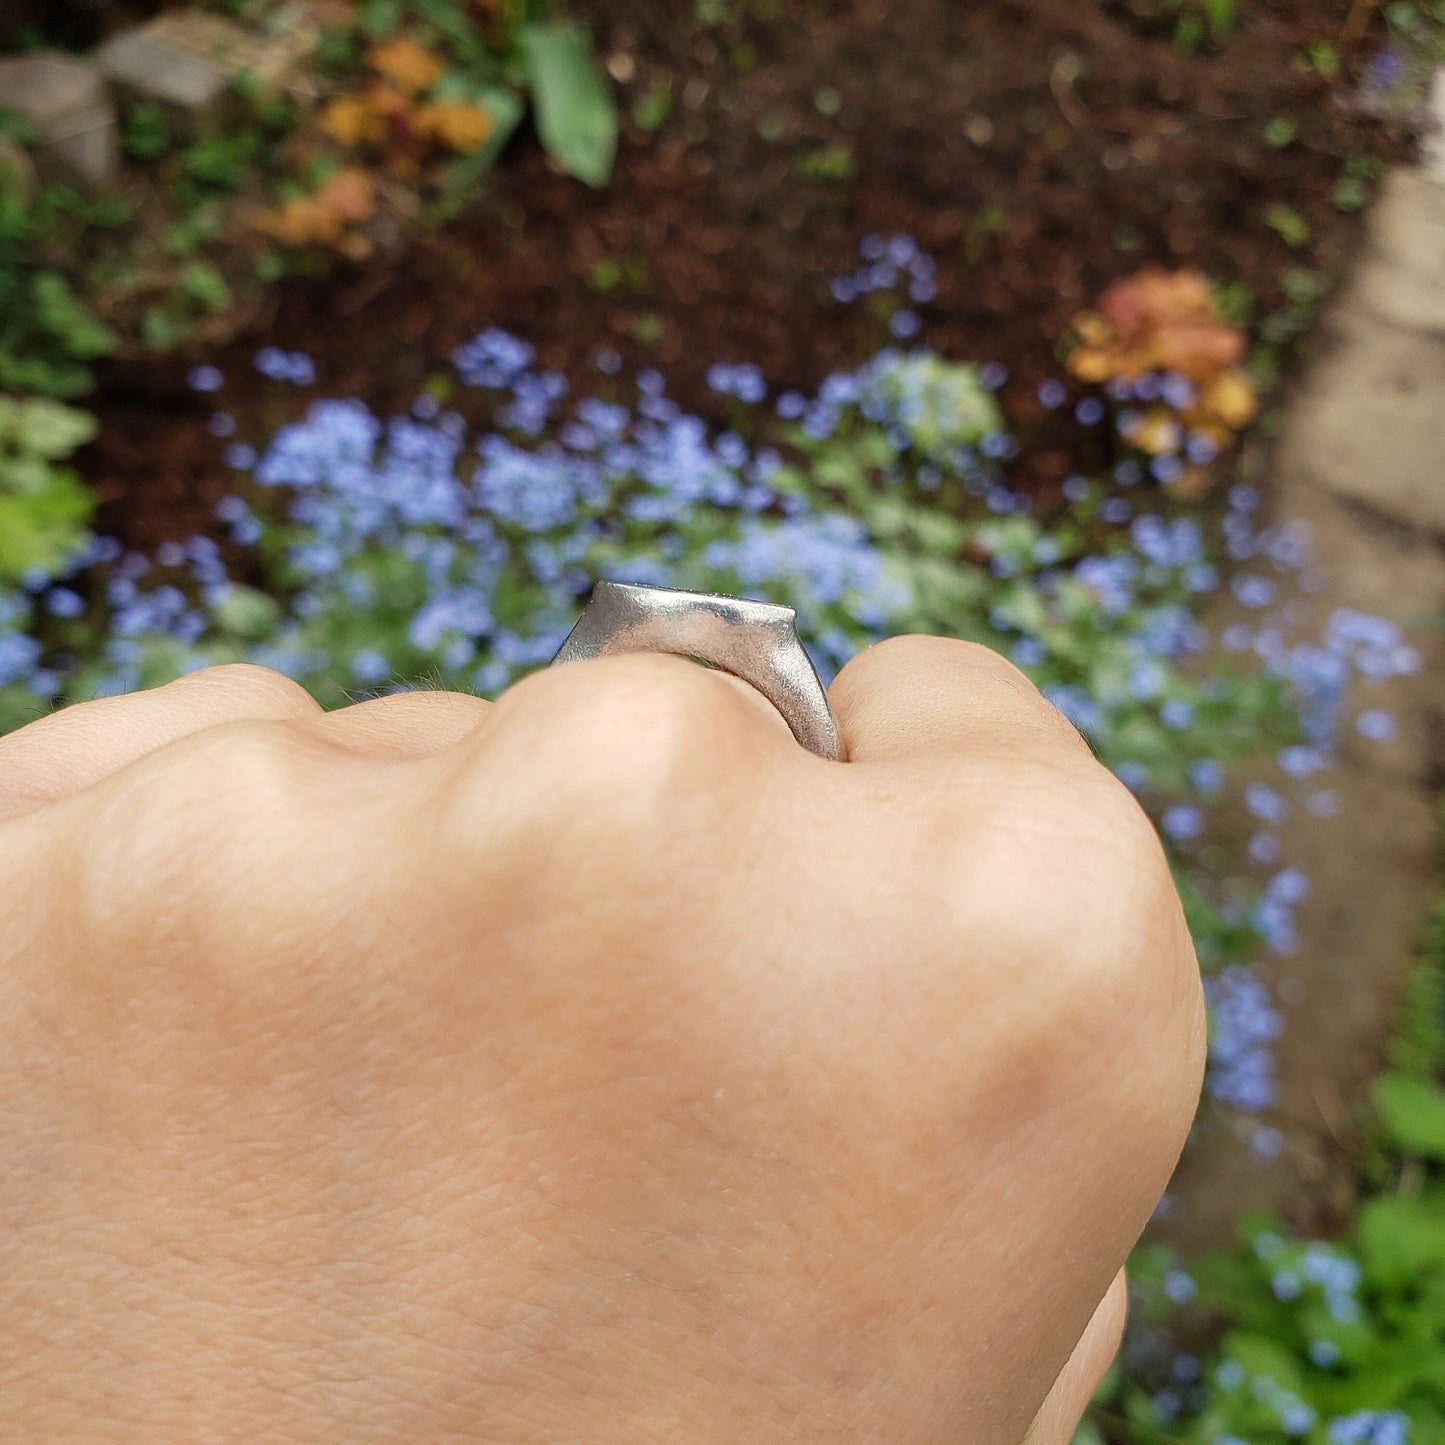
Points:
(915, 695)
(1061, 1412)
(71, 750)
(404, 724)
(626, 692)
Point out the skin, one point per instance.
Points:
(592, 1066)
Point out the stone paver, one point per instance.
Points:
(69, 103)
(186, 61)
(1371, 868)
(1369, 423)
(1433, 150)
(1361, 460)
(1400, 278)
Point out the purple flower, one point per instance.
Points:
(905, 325)
(205, 379)
(1377, 725)
(1183, 822)
(1386, 69)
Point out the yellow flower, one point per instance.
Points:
(1157, 433)
(1090, 364)
(408, 66)
(457, 125)
(353, 122)
(1092, 329)
(1231, 398)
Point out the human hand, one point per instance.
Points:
(595, 1065)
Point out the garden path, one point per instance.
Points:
(1360, 457)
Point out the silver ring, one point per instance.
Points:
(754, 641)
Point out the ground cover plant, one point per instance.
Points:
(1336, 1342)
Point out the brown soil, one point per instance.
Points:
(1038, 148)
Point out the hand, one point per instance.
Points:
(596, 1065)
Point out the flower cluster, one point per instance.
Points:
(891, 263)
(1171, 369)
(1323, 1343)
(1245, 1024)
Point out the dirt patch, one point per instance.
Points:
(1038, 149)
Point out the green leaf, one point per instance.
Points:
(44, 530)
(576, 113)
(245, 612)
(1413, 1114)
(1261, 1355)
(1401, 1238)
(67, 319)
(24, 476)
(48, 430)
(203, 283)
(505, 108)
(1221, 17)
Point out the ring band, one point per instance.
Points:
(755, 641)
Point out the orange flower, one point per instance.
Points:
(1156, 321)
(324, 219)
(457, 125)
(412, 68)
(353, 122)
(1231, 398)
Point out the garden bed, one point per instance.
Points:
(1038, 150)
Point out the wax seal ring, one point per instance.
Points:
(755, 641)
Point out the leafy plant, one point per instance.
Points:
(1324, 1343)
(438, 83)
(44, 506)
(48, 337)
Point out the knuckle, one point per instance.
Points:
(212, 817)
(249, 687)
(1075, 874)
(999, 688)
(614, 770)
(646, 722)
(1127, 978)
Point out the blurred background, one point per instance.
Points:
(359, 338)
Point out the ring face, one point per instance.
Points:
(754, 641)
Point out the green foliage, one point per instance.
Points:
(48, 336)
(145, 132)
(835, 162)
(1193, 22)
(1288, 224)
(1323, 1343)
(44, 506)
(1412, 1115)
(576, 114)
(1419, 1049)
(652, 108)
(532, 54)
